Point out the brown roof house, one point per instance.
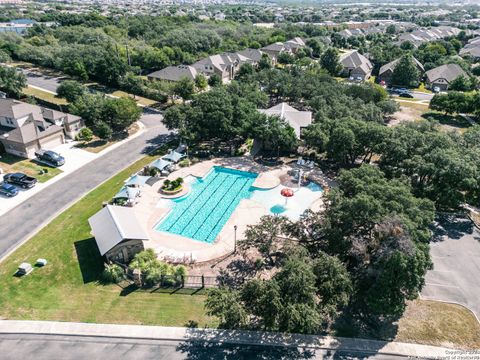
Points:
(25, 128)
(174, 73)
(118, 233)
(443, 75)
(355, 65)
(386, 71)
(295, 118)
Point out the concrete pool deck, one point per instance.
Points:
(176, 248)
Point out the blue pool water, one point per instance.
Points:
(202, 214)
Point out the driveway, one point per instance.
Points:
(28, 217)
(455, 252)
(75, 158)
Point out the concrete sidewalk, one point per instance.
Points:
(219, 336)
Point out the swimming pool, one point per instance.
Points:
(202, 214)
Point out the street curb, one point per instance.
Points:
(60, 211)
(255, 338)
(453, 303)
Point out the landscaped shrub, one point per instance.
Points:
(184, 163)
(154, 269)
(85, 135)
(172, 185)
(112, 273)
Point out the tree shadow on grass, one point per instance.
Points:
(89, 260)
(236, 273)
(450, 120)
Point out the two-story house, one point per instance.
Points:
(25, 128)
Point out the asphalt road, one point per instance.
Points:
(46, 82)
(455, 252)
(50, 347)
(25, 219)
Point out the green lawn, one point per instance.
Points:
(11, 163)
(44, 95)
(67, 289)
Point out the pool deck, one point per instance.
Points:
(176, 248)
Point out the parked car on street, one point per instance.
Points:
(8, 190)
(50, 157)
(20, 180)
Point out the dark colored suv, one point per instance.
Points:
(21, 180)
(50, 157)
(8, 190)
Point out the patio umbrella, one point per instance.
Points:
(287, 193)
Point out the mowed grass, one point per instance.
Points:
(44, 95)
(11, 163)
(67, 289)
(440, 324)
(139, 99)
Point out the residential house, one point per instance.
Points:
(355, 65)
(118, 234)
(273, 50)
(225, 65)
(443, 75)
(386, 71)
(295, 44)
(254, 55)
(295, 118)
(472, 49)
(25, 128)
(174, 73)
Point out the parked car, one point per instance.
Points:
(405, 94)
(8, 190)
(50, 157)
(21, 180)
(436, 89)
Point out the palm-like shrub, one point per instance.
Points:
(112, 273)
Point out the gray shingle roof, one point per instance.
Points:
(355, 60)
(391, 66)
(175, 73)
(448, 72)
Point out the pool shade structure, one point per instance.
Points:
(286, 193)
(127, 192)
(160, 164)
(174, 156)
(137, 180)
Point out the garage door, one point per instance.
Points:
(51, 143)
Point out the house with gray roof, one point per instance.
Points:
(273, 50)
(174, 73)
(472, 49)
(356, 65)
(26, 128)
(254, 55)
(295, 44)
(386, 71)
(295, 118)
(443, 75)
(118, 233)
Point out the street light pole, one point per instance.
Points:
(235, 239)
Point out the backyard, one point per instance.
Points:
(10, 163)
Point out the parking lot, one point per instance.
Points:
(455, 253)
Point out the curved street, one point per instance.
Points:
(27, 218)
